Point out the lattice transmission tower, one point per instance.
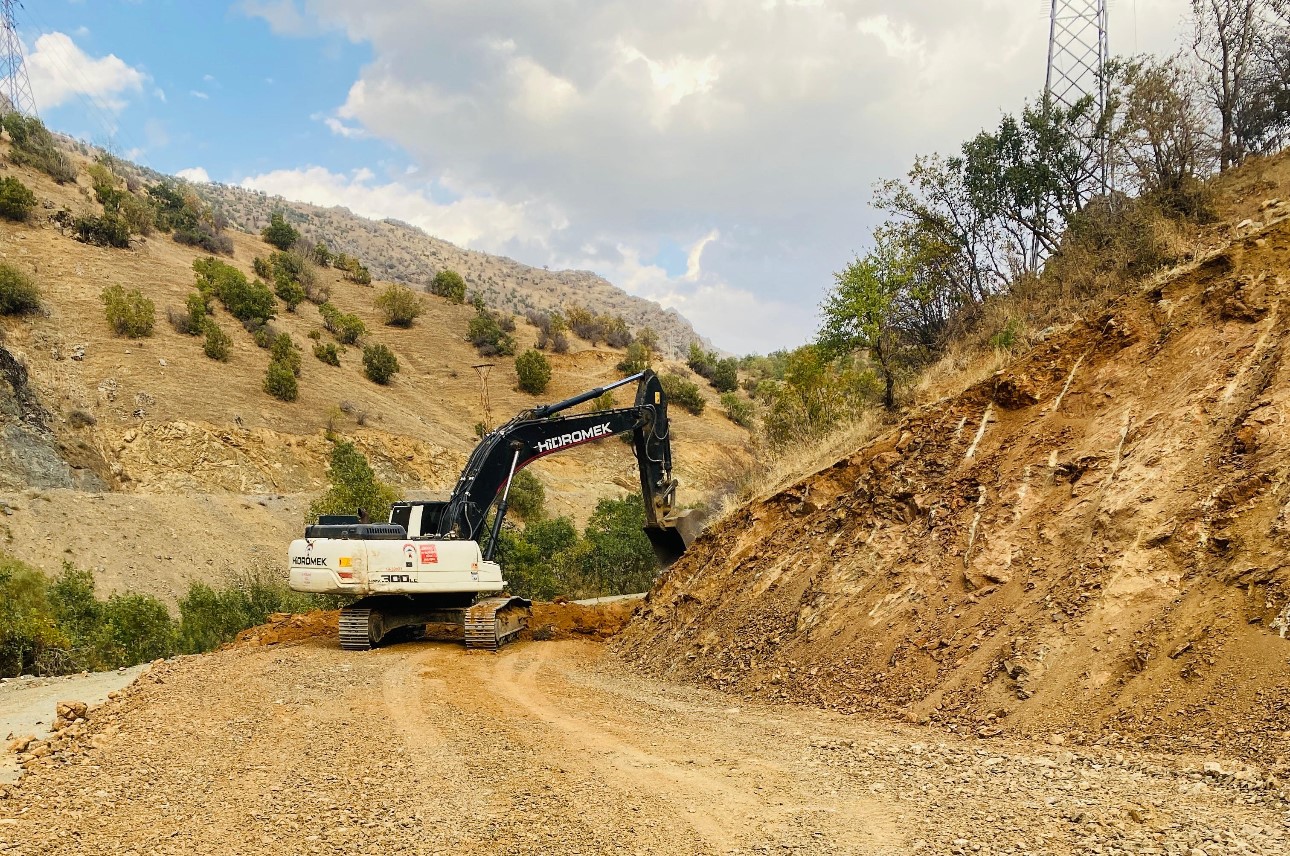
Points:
(1078, 51)
(15, 86)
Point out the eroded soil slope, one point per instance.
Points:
(1096, 541)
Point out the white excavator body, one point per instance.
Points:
(361, 567)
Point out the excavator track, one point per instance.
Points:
(494, 621)
(356, 629)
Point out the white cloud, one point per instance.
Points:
(652, 124)
(159, 94)
(196, 174)
(197, 93)
(60, 71)
(340, 129)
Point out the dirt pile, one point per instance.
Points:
(572, 620)
(1093, 544)
(291, 627)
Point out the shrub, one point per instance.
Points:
(486, 334)
(635, 360)
(534, 371)
(725, 376)
(280, 381)
(352, 268)
(321, 255)
(527, 498)
(353, 485)
(289, 291)
(738, 410)
(19, 294)
(218, 344)
(34, 146)
(284, 351)
(211, 617)
(449, 284)
(680, 391)
(379, 363)
(191, 320)
(279, 232)
(560, 343)
(400, 305)
(347, 328)
(129, 313)
(16, 199)
(204, 237)
(244, 300)
(106, 231)
(327, 352)
(135, 628)
(701, 362)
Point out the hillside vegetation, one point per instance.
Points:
(188, 435)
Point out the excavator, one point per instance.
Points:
(425, 565)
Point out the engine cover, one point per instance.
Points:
(364, 567)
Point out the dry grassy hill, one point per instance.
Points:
(152, 464)
(400, 252)
(1093, 542)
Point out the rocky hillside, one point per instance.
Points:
(1092, 543)
(400, 252)
(153, 464)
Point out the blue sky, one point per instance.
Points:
(715, 156)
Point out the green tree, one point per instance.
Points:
(683, 393)
(129, 313)
(283, 350)
(16, 199)
(327, 352)
(637, 359)
(527, 499)
(32, 145)
(534, 372)
(279, 232)
(725, 376)
(379, 363)
(280, 381)
(218, 345)
(400, 305)
(347, 328)
(863, 312)
(738, 410)
(449, 284)
(353, 485)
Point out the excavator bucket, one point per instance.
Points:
(671, 540)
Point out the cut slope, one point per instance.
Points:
(1096, 539)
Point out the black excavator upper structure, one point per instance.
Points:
(532, 434)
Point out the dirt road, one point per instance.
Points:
(557, 748)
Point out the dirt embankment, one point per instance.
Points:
(1095, 542)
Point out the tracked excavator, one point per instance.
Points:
(425, 565)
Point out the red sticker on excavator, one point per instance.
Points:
(429, 556)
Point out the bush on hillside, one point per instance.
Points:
(637, 359)
(352, 268)
(129, 313)
(682, 392)
(449, 284)
(289, 292)
(347, 328)
(327, 352)
(595, 327)
(34, 146)
(283, 350)
(191, 320)
(379, 363)
(205, 238)
(280, 381)
(218, 344)
(244, 300)
(279, 232)
(527, 499)
(534, 372)
(738, 410)
(725, 376)
(399, 305)
(353, 485)
(19, 294)
(487, 334)
(16, 199)
(106, 231)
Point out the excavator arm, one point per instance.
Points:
(485, 482)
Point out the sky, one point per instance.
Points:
(716, 156)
